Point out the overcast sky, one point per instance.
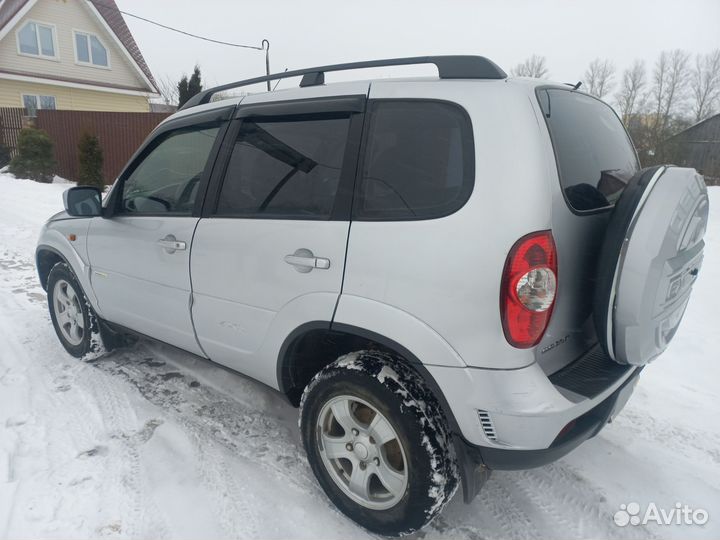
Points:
(307, 33)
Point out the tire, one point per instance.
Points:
(362, 389)
(74, 320)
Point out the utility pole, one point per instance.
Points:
(266, 48)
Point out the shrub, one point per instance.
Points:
(35, 156)
(90, 156)
(4, 155)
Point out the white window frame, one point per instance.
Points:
(53, 31)
(87, 34)
(37, 100)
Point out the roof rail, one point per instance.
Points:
(449, 67)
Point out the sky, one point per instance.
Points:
(317, 32)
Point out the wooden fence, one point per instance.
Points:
(11, 122)
(119, 133)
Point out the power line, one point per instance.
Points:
(166, 27)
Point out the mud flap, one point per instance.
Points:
(473, 472)
(650, 259)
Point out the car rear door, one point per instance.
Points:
(269, 252)
(139, 251)
(629, 241)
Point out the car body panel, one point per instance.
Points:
(55, 236)
(138, 283)
(527, 411)
(448, 279)
(242, 283)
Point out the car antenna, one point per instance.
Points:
(576, 86)
(278, 81)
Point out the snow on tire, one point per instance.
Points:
(75, 322)
(378, 442)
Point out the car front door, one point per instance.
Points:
(140, 250)
(269, 253)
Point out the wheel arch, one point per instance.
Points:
(314, 345)
(45, 258)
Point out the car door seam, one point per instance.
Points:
(191, 295)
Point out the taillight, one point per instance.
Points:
(528, 287)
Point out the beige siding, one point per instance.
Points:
(71, 98)
(69, 15)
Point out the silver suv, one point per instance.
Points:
(448, 275)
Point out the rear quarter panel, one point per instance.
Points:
(444, 274)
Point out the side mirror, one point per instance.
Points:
(83, 201)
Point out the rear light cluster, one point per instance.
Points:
(529, 285)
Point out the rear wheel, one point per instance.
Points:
(378, 443)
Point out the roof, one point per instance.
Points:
(346, 88)
(714, 117)
(8, 9)
(110, 12)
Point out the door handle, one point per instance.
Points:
(171, 244)
(304, 261)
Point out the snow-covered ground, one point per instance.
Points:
(151, 442)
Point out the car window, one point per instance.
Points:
(167, 179)
(418, 161)
(595, 157)
(285, 168)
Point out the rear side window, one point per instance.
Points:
(285, 168)
(595, 157)
(418, 163)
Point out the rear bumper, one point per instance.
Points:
(524, 409)
(586, 426)
(477, 461)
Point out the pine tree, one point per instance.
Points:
(90, 156)
(35, 156)
(195, 83)
(183, 91)
(188, 88)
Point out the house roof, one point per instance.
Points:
(713, 118)
(110, 12)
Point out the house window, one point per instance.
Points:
(90, 50)
(37, 39)
(32, 103)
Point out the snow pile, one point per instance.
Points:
(151, 442)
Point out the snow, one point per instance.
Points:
(151, 442)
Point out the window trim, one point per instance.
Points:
(75, 33)
(468, 157)
(40, 55)
(352, 106)
(545, 87)
(37, 98)
(220, 116)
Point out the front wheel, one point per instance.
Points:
(378, 443)
(70, 312)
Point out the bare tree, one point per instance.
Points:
(705, 84)
(168, 90)
(631, 87)
(599, 77)
(535, 66)
(670, 79)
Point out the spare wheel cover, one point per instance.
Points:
(650, 259)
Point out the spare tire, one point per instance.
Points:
(650, 259)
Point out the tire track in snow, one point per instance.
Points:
(87, 452)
